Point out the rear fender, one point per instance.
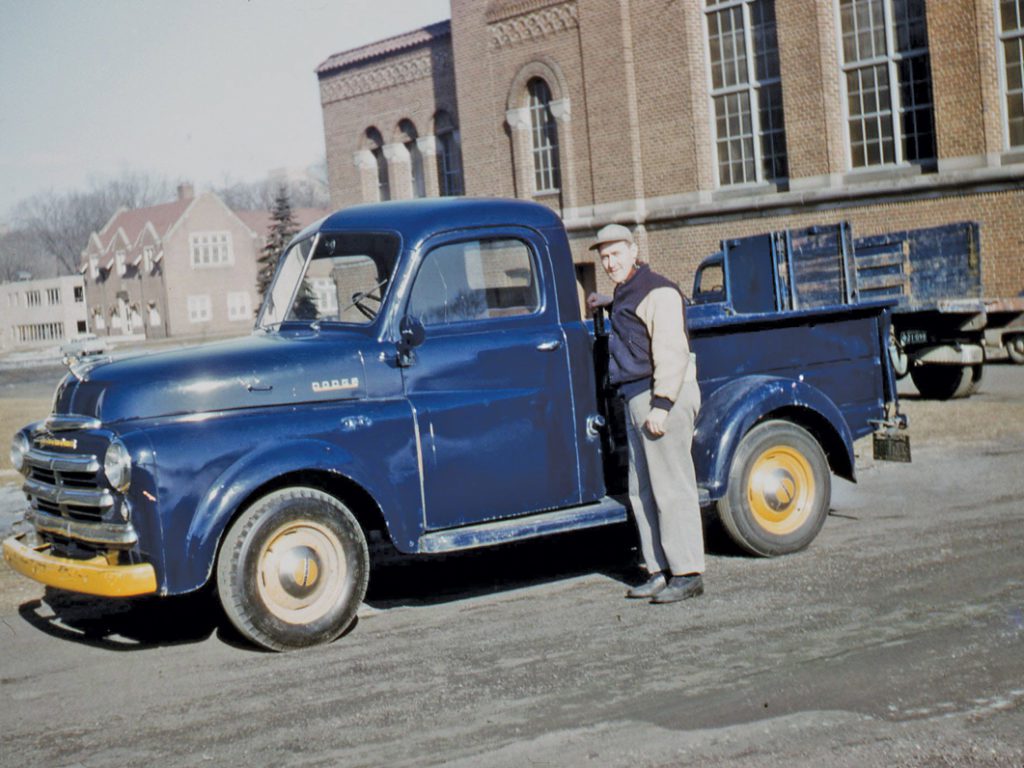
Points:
(733, 409)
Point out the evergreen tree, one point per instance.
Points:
(283, 228)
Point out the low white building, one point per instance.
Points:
(35, 314)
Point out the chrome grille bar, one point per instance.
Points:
(111, 534)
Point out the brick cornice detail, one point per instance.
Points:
(535, 25)
(400, 72)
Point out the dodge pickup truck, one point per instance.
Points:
(421, 374)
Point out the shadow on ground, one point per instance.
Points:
(134, 624)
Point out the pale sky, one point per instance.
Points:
(198, 90)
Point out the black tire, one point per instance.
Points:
(779, 490)
(293, 569)
(946, 382)
(1015, 348)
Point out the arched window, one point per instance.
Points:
(544, 138)
(376, 142)
(409, 137)
(449, 157)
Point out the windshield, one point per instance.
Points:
(344, 281)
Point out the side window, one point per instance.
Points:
(710, 284)
(475, 280)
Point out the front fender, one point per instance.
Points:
(218, 470)
(733, 409)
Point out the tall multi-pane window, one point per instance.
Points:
(1011, 35)
(746, 89)
(544, 138)
(888, 81)
(449, 156)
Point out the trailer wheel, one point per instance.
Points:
(293, 569)
(1015, 348)
(779, 490)
(946, 382)
(898, 356)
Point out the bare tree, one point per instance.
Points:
(61, 223)
(20, 255)
(262, 195)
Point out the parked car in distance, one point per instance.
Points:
(83, 345)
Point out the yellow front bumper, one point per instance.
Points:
(91, 577)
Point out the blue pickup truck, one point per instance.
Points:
(420, 374)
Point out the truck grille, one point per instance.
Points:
(71, 507)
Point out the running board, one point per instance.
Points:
(602, 512)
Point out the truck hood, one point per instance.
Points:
(256, 371)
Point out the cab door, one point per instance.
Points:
(489, 384)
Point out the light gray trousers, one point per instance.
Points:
(663, 485)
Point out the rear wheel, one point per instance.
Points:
(779, 490)
(1015, 348)
(293, 569)
(946, 382)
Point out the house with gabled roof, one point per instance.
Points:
(185, 268)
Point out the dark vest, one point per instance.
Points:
(630, 367)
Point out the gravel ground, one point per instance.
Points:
(896, 639)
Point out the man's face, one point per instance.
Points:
(618, 260)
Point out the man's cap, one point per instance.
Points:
(612, 233)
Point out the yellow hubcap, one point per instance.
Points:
(780, 490)
(302, 572)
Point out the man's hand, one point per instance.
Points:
(595, 300)
(655, 424)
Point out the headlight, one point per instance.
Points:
(117, 466)
(19, 447)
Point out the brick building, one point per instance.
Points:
(184, 268)
(699, 120)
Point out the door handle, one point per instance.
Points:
(549, 346)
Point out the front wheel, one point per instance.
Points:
(779, 490)
(293, 569)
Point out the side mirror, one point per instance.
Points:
(411, 335)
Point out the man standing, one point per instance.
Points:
(651, 364)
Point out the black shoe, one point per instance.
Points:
(649, 588)
(680, 588)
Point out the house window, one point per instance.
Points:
(211, 249)
(40, 332)
(79, 294)
(1011, 34)
(887, 73)
(33, 299)
(199, 308)
(746, 91)
(325, 294)
(53, 296)
(239, 306)
(544, 138)
(119, 260)
(94, 267)
(147, 258)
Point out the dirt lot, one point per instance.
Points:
(897, 639)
